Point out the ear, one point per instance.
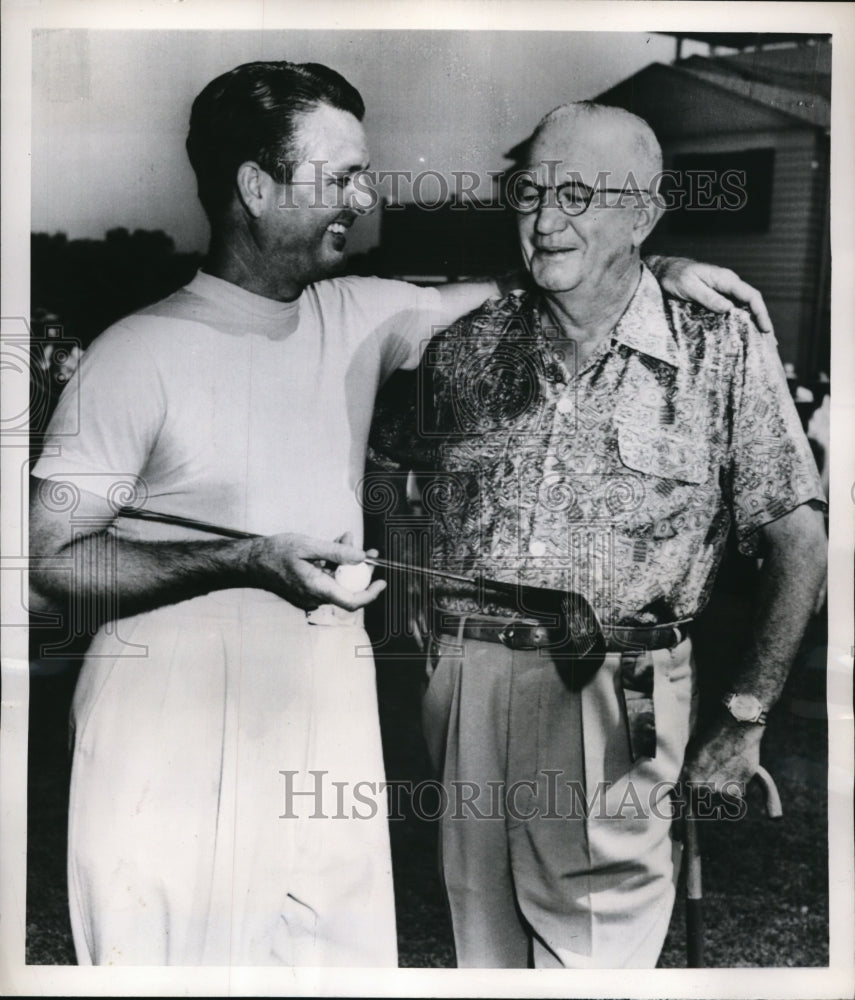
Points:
(253, 185)
(648, 212)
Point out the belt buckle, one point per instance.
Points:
(510, 637)
(506, 636)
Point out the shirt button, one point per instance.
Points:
(536, 547)
(564, 405)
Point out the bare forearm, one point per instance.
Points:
(109, 577)
(790, 579)
(115, 578)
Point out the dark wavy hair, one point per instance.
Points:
(253, 113)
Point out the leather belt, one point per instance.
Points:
(525, 633)
(634, 643)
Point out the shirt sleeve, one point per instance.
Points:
(400, 317)
(772, 469)
(107, 418)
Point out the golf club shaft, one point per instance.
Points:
(694, 884)
(694, 896)
(425, 571)
(143, 514)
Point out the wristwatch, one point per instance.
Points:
(745, 708)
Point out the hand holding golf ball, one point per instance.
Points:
(354, 576)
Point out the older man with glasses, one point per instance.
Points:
(595, 441)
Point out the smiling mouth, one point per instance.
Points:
(338, 235)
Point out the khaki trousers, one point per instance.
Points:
(555, 847)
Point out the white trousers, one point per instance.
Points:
(188, 845)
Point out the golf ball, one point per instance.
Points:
(354, 576)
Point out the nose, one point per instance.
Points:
(549, 219)
(362, 197)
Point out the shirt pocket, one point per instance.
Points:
(664, 452)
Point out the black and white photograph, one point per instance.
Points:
(427, 473)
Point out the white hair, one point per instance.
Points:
(645, 144)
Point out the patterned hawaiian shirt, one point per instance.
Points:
(619, 478)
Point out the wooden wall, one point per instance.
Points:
(783, 262)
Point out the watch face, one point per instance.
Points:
(744, 707)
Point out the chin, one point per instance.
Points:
(553, 276)
(337, 266)
(330, 266)
(551, 282)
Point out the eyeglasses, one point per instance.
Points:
(573, 198)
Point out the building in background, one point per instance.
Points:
(764, 113)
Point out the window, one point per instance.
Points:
(716, 194)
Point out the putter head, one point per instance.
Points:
(576, 640)
(581, 648)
